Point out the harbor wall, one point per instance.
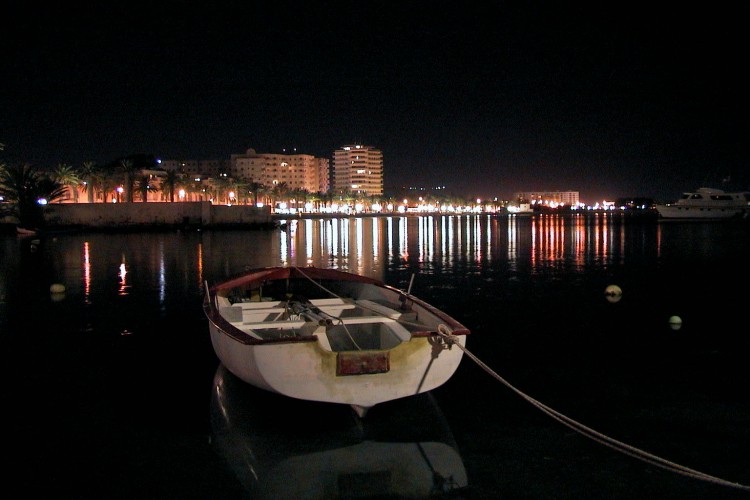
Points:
(120, 215)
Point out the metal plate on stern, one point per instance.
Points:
(362, 363)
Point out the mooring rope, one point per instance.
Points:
(338, 319)
(627, 449)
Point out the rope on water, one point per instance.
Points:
(627, 449)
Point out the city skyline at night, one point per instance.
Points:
(487, 99)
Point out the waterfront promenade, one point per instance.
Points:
(156, 215)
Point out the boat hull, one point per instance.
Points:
(706, 213)
(707, 204)
(368, 344)
(306, 370)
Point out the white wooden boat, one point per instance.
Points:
(327, 335)
(707, 203)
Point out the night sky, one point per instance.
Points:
(485, 98)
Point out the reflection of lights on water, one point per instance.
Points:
(359, 243)
(200, 265)
(309, 240)
(389, 233)
(354, 242)
(86, 273)
(344, 240)
(283, 250)
(162, 274)
(123, 278)
(403, 248)
(425, 237)
(332, 238)
(477, 239)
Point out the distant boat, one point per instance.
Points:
(521, 209)
(331, 336)
(707, 203)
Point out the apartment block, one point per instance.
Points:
(358, 169)
(296, 171)
(568, 198)
(201, 168)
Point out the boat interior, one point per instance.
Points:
(340, 324)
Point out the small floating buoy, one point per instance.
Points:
(675, 322)
(613, 293)
(57, 288)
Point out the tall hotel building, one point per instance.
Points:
(358, 169)
(296, 171)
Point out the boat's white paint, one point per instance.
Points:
(707, 203)
(307, 370)
(301, 363)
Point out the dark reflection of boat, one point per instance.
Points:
(280, 447)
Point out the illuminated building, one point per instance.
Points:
(358, 169)
(567, 198)
(296, 171)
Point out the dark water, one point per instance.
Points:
(112, 388)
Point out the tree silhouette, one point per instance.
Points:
(27, 189)
(69, 177)
(129, 170)
(143, 186)
(170, 182)
(90, 175)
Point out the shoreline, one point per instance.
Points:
(272, 221)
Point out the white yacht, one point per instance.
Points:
(707, 203)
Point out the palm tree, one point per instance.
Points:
(278, 192)
(216, 186)
(128, 168)
(69, 177)
(107, 181)
(241, 195)
(327, 199)
(301, 196)
(196, 188)
(26, 189)
(170, 182)
(315, 198)
(256, 188)
(143, 186)
(88, 174)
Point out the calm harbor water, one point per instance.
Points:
(112, 389)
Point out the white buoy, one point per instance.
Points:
(613, 293)
(675, 322)
(57, 288)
